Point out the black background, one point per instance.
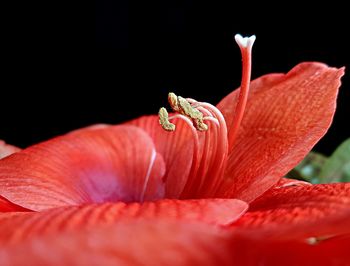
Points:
(63, 70)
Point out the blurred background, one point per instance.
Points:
(62, 70)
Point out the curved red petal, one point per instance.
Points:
(16, 227)
(7, 206)
(252, 251)
(176, 149)
(299, 212)
(284, 118)
(109, 164)
(141, 242)
(158, 242)
(6, 149)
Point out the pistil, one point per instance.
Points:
(245, 45)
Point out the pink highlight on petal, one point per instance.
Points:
(6, 149)
(151, 163)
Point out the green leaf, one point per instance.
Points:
(337, 167)
(316, 168)
(309, 169)
(346, 174)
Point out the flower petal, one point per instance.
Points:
(7, 206)
(176, 148)
(136, 242)
(16, 227)
(6, 149)
(284, 118)
(251, 251)
(295, 225)
(153, 242)
(299, 212)
(109, 164)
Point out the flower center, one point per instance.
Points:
(209, 129)
(213, 139)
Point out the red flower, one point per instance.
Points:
(135, 194)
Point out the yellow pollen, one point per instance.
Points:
(164, 120)
(172, 99)
(192, 113)
(182, 106)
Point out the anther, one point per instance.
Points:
(182, 106)
(172, 99)
(191, 112)
(164, 120)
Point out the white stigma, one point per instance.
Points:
(245, 42)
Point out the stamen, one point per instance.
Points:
(195, 159)
(182, 106)
(219, 117)
(245, 45)
(214, 153)
(218, 159)
(164, 120)
(172, 99)
(193, 113)
(195, 183)
(212, 119)
(207, 164)
(193, 131)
